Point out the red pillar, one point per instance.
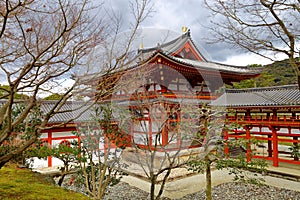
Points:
(50, 145)
(248, 114)
(178, 130)
(79, 142)
(295, 145)
(226, 149)
(270, 146)
(106, 145)
(164, 134)
(248, 151)
(150, 132)
(275, 146)
(131, 132)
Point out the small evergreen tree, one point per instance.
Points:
(214, 152)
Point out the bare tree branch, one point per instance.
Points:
(263, 27)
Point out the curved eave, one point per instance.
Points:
(225, 69)
(227, 72)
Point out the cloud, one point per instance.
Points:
(170, 15)
(246, 59)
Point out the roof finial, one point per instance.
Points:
(184, 29)
(141, 46)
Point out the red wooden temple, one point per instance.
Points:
(151, 91)
(157, 83)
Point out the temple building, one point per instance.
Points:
(270, 115)
(160, 95)
(163, 89)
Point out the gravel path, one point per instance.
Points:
(274, 189)
(225, 191)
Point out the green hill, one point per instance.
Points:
(275, 74)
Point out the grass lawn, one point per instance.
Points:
(16, 183)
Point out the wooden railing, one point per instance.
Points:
(280, 120)
(157, 94)
(272, 138)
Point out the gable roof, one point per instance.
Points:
(174, 46)
(171, 51)
(288, 95)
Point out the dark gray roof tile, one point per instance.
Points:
(269, 96)
(73, 111)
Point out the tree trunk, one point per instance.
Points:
(299, 80)
(61, 179)
(152, 189)
(208, 181)
(163, 184)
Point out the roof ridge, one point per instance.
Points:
(194, 44)
(222, 64)
(238, 66)
(159, 46)
(259, 89)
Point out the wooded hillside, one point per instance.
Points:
(275, 74)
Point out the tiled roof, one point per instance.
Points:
(288, 95)
(73, 111)
(170, 47)
(218, 66)
(204, 65)
(167, 49)
(78, 111)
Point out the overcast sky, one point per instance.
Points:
(172, 15)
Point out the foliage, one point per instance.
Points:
(242, 169)
(197, 165)
(283, 72)
(67, 152)
(22, 132)
(54, 96)
(275, 74)
(214, 153)
(38, 150)
(16, 183)
(295, 151)
(5, 91)
(98, 167)
(236, 164)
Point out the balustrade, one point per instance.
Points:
(268, 132)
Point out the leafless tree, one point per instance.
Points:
(161, 131)
(41, 43)
(266, 27)
(102, 140)
(99, 162)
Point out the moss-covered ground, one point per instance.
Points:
(16, 183)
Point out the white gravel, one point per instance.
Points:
(273, 189)
(225, 191)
